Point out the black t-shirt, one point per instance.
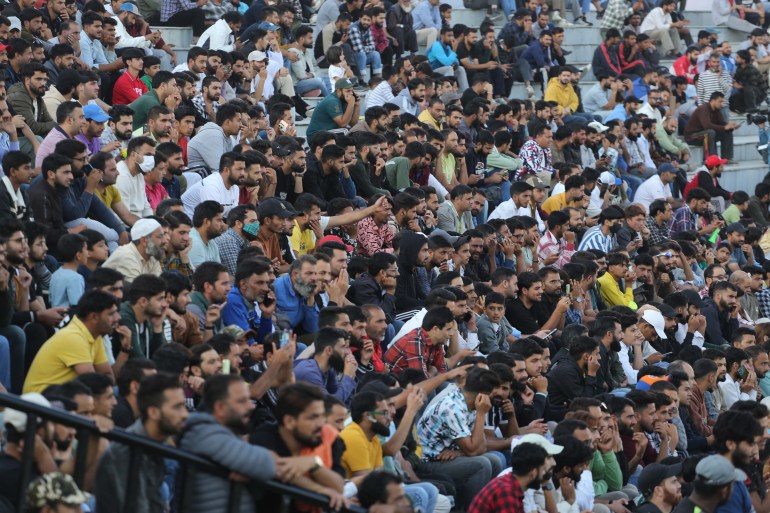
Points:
(10, 478)
(687, 506)
(648, 507)
(521, 318)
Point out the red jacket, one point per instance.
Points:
(684, 68)
(127, 89)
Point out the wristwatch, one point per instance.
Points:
(578, 300)
(318, 464)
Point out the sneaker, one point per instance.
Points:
(556, 17)
(584, 21)
(494, 14)
(565, 24)
(585, 70)
(530, 91)
(600, 14)
(565, 52)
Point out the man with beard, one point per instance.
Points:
(323, 179)
(608, 331)
(215, 434)
(302, 430)
(161, 404)
(143, 314)
(735, 441)
(337, 110)
(160, 121)
(221, 187)
(602, 236)
(401, 170)
(93, 129)
(214, 140)
(208, 224)
(707, 125)
(207, 103)
(526, 313)
(250, 303)
(61, 57)
(305, 68)
(738, 385)
(660, 487)
(332, 357)
(106, 190)
(750, 86)
(714, 484)
(411, 98)
(171, 180)
(375, 121)
(721, 310)
(634, 430)
(558, 244)
(119, 127)
(295, 295)
(707, 178)
(530, 468)
(243, 226)
(576, 376)
(684, 219)
(97, 315)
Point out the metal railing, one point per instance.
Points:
(87, 428)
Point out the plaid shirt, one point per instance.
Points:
(684, 220)
(763, 298)
(549, 246)
(200, 107)
(230, 244)
(658, 234)
(214, 12)
(360, 39)
(168, 8)
(414, 351)
(615, 14)
(501, 495)
(175, 263)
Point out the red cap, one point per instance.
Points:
(333, 238)
(3, 47)
(714, 161)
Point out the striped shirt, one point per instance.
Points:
(709, 82)
(381, 95)
(595, 239)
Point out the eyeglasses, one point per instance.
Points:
(667, 254)
(80, 159)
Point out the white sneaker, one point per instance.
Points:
(565, 24)
(556, 17)
(530, 91)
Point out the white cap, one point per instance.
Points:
(256, 55)
(19, 419)
(538, 440)
(598, 126)
(657, 321)
(609, 178)
(144, 227)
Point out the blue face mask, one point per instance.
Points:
(251, 228)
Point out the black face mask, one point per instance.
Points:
(615, 228)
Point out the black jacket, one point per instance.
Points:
(719, 325)
(365, 291)
(567, 381)
(6, 201)
(409, 295)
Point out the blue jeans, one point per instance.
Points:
(364, 60)
(5, 363)
(509, 7)
(17, 343)
(309, 84)
(422, 495)
(633, 183)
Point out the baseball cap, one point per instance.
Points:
(540, 440)
(381, 388)
(343, 83)
(274, 207)
(448, 98)
(711, 30)
(657, 321)
(610, 178)
(3, 47)
(95, 113)
(333, 238)
(654, 474)
(735, 227)
(55, 487)
(596, 125)
(667, 311)
(537, 183)
(693, 298)
(718, 471)
(666, 168)
(129, 7)
(279, 151)
(15, 23)
(266, 25)
(715, 160)
(144, 227)
(256, 55)
(645, 382)
(18, 419)
(438, 232)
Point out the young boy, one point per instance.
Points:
(97, 251)
(740, 204)
(338, 68)
(150, 66)
(493, 329)
(66, 284)
(129, 86)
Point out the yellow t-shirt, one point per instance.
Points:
(360, 453)
(111, 195)
(555, 202)
(55, 362)
(302, 241)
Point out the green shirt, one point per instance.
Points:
(324, 114)
(397, 171)
(141, 107)
(147, 81)
(731, 214)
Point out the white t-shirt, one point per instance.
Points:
(653, 188)
(210, 188)
(335, 73)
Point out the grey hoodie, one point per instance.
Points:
(204, 436)
(206, 148)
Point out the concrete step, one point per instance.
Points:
(179, 36)
(742, 176)
(744, 150)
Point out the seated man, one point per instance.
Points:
(332, 356)
(707, 126)
(422, 348)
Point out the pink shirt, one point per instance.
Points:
(155, 194)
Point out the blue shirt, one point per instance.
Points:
(595, 239)
(309, 372)
(426, 15)
(91, 52)
(66, 287)
(440, 55)
(202, 252)
(740, 501)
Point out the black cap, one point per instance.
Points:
(381, 388)
(279, 151)
(269, 207)
(654, 474)
(667, 311)
(735, 227)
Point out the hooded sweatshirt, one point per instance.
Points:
(409, 296)
(143, 344)
(204, 436)
(207, 147)
(564, 95)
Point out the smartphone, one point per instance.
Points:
(245, 41)
(283, 125)
(499, 238)
(550, 333)
(284, 338)
(226, 366)
(86, 169)
(568, 289)
(743, 373)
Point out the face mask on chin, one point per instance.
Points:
(147, 163)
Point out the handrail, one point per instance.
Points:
(165, 451)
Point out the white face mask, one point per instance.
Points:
(147, 163)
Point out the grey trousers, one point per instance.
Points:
(469, 473)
